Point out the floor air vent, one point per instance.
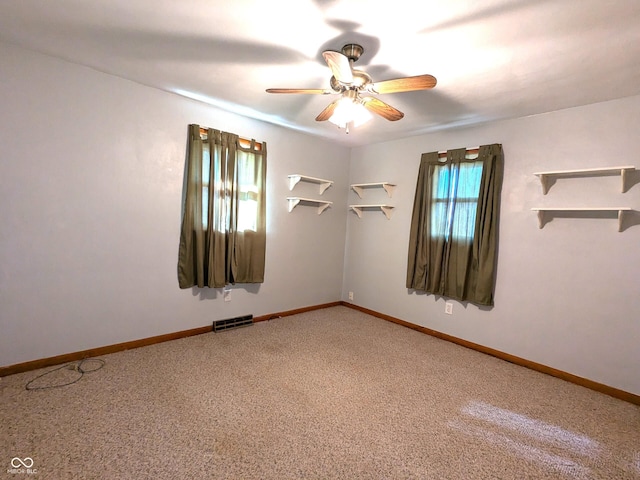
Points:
(236, 322)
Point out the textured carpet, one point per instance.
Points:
(329, 394)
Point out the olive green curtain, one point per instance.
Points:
(440, 262)
(223, 234)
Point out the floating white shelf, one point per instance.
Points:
(295, 178)
(386, 209)
(620, 211)
(544, 176)
(359, 187)
(321, 204)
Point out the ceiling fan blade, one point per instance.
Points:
(339, 65)
(315, 91)
(383, 109)
(327, 112)
(406, 84)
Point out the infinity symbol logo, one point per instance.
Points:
(26, 462)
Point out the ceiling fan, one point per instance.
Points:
(351, 84)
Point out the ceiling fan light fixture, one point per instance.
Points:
(350, 111)
(360, 114)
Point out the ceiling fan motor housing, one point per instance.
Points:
(336, 85)
(352, 51)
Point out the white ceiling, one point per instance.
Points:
(494, 59)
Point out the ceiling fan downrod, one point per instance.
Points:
(352, 51)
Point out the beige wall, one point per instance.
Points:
(567, 296)
(91, 173)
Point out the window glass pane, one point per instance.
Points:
(247, 173)
(466, 201)
(440, 206)
(247, 192)
(441, 183)
(455, 191)
(464, 221)
(469, 180)
(439, 219)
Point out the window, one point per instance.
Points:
(454, 228)
(248, 185)
(455, 200)
(223, 233)
(249, 190)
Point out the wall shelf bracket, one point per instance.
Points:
(359, 187)
(546, 177)
(542, 211)
(295, 178)
(321, 204)
(386, 209)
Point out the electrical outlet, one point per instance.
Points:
(351, 296)
(448, 308)
(226, 295)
